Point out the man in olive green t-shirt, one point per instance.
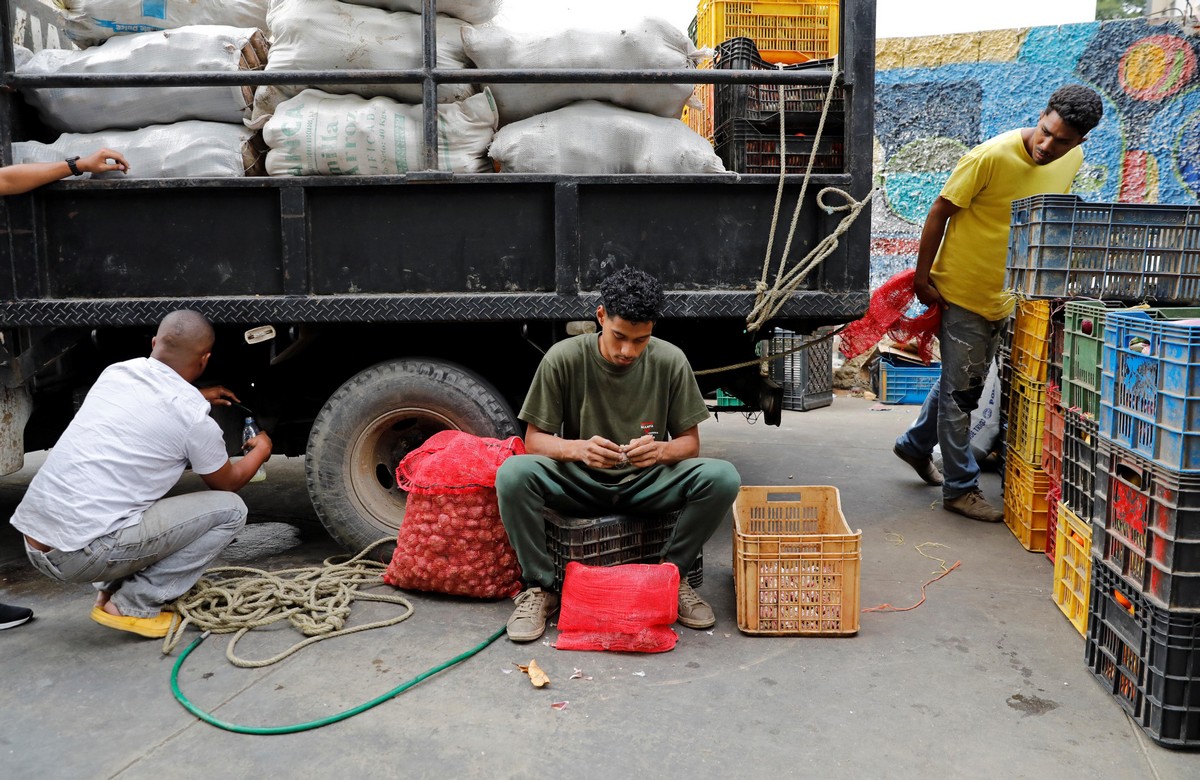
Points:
(613, 426)
(960, 267)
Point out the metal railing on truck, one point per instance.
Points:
(855, 76)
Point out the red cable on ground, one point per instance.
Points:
(890, 608)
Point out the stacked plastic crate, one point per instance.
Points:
(1143, 638)
(1029, 487)
(1131, 458)
(742, 120)
(1082, 351)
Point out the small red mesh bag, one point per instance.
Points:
(627, 608)
(888, 316)
(452, 540)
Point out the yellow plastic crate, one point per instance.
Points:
(1031, 339)
(785, 32)
(700, 119)
(795, 562)
(1073, 567)
(1026, 418)
(1026, 507)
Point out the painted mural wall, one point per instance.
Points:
(938, 96)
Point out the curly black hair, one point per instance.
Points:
(1078, 106)
(633, 295)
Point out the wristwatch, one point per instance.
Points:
(74, 168)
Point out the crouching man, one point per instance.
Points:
(95, 511)
(613, 427)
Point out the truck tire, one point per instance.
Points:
(367, 427)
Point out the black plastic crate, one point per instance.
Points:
(1147, 658)
(1079, 463)
(802, 104)
(610, 540)
(1054, 371)
(1146, 526)
(805, 376)
(746, 148)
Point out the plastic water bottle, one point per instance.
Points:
(249, 431)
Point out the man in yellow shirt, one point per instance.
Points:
(960, 267)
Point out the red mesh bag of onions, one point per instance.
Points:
(452, 540)
(628, 608)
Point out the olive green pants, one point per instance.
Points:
(525, 484)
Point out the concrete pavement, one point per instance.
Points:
(985, 679)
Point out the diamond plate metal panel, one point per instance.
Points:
(404, 308)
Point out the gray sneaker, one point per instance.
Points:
(694, 612)
(923, 466)
(528, 620)
(974, 506)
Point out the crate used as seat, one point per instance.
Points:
(611, 539)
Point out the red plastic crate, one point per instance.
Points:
(1052, 435)
(1053, 499)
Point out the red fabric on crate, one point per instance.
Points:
(888, 316)
(452, 540)
(627, 608)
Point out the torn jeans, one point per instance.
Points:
(968, 343)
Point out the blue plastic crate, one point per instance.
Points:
(1062, 247)
(899, 382)
(1150, 385)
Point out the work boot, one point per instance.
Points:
(694, 612)
(528, 620)
(923, 466)
(974, 506)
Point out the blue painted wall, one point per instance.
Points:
(937, 97)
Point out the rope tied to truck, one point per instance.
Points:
(316, 600)
(771, 298)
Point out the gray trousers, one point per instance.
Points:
(156, 561)
(704, 487)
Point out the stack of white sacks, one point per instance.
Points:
(190, 132)
(360, 129)
(593, 128)
(369, 129)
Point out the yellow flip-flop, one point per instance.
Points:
(153, 627)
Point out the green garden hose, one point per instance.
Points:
(314, 724)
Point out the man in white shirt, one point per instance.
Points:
(95, 510)
(21, 178)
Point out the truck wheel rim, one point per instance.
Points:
(375, 454)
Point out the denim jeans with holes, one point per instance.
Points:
(968, 343)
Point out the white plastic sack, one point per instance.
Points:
(472, 11)
(985, 420)
(89, 22)
(191, 149)
(186, 50)
(326, 34)
(649, 43)
(596, 138)
(316, 133)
